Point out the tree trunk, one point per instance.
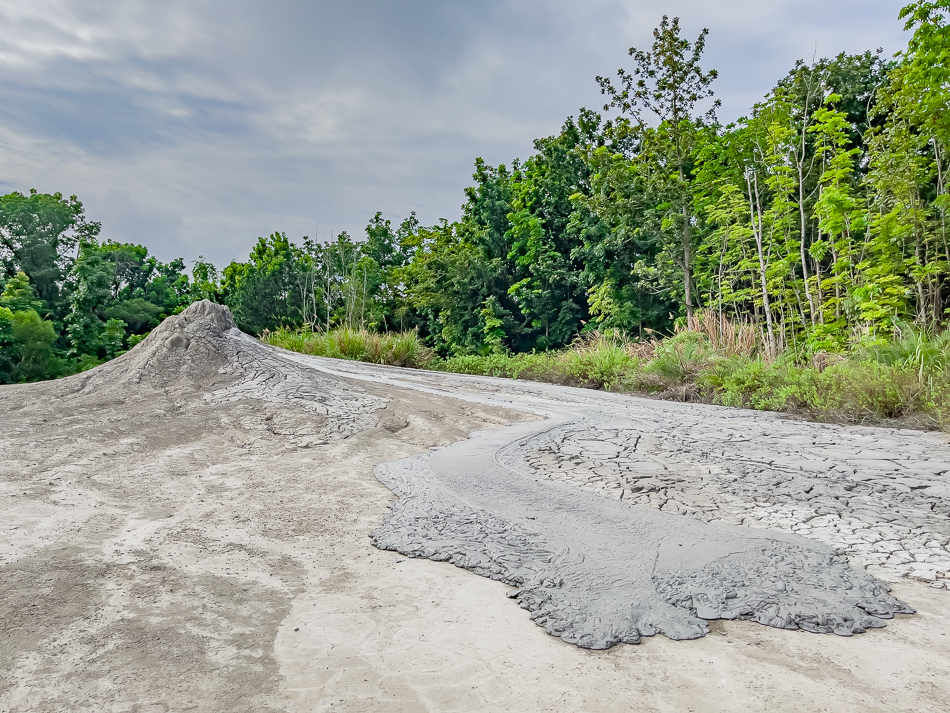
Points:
(804, 225)
(755, 212)
(687, 268)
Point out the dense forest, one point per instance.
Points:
(818, 220)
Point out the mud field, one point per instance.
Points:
(192, 527)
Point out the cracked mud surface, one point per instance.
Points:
(881, 498)
(187, 528)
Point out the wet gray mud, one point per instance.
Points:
(593, 570)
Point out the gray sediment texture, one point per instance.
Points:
(201, 354)
(591, 570)
(595, 572)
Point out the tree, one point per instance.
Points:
(548, 286)
(27, 341)
(628, 281)
(668, 83)
(118, 291)
(263, 293)
(38, 232)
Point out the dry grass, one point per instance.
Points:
(725, 336)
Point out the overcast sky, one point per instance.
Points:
(194, 127)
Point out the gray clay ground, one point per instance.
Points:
(879, 496)
(188, 528)
(598, 570)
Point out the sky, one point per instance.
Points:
(194, 127)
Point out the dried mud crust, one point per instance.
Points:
(880, 497)
(596, 572)
(185, 528)
(202, 353)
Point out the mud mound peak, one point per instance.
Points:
(205, 313)
(190, 350)
(201, 355)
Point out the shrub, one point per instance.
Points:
(907, 378)
(680, 359)
(601, 361)
(395, 349)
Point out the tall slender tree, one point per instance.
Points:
(667, 84)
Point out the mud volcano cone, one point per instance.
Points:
(194, 350)
(201, 354)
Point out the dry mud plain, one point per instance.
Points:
(190, 528)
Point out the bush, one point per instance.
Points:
(601, 362)
(27, 341)
(395, 349)
(917, 349)
(538, 367)
(681, 359)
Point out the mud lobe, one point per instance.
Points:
(596, 572)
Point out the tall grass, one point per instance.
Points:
(395, 349)
(594, 360)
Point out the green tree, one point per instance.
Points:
(264, 293)
(33, 348)
(38, 233)
(667, 84)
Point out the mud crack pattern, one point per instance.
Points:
(880, 499)
(620, 517)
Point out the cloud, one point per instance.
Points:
(195, 126)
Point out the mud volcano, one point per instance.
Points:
(201, 354)
(199, 511)
(591, 570)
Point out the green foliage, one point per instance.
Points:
(119, 291)
(594, 361)
(27, 350)
(667, 84)
(918, 350)
(33, 340)
(784, 257)
(395, 349)
(27, 341)
(601, 362)
(17, 294)
(37, 233)
(8, 358)
(680, 359)
(262, 292)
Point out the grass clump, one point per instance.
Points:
(602, 361)
(395, 349)
(594, 361)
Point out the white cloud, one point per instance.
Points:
(196, 126)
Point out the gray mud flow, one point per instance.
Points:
(595, 571)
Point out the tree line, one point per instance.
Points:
(819, 218)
